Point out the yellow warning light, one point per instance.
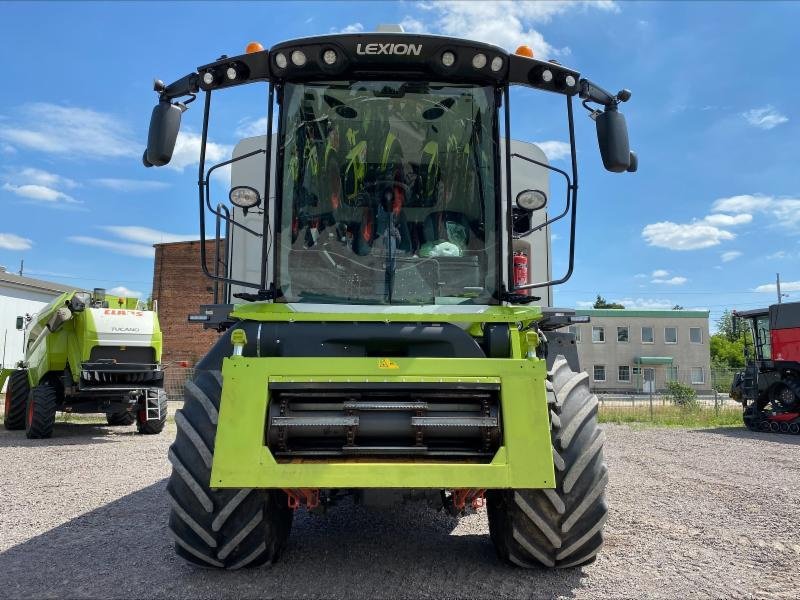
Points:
(524, 51)
(254, 47)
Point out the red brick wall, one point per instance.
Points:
(180, 288)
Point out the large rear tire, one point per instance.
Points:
(223, 528)
(120, 418)
(562, 527)
(40, 413)
(147, 426)
(17, 392)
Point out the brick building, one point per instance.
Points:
(180, 287)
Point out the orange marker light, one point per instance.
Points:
(254, 47)
(525, 51)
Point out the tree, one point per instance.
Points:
(725, 326)
(726, 354)
(677, 307)
(600, 302)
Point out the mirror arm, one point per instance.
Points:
(591, 92)
(188, 85)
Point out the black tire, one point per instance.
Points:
(120, 418)
(153, 426)
(562, 527)
(17, 392)
(223, 528)
(40, 413)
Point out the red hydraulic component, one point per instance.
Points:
(520, 270)
(472, 496)
(789, 416)
(298, 497)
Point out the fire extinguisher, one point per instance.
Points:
(520, 270)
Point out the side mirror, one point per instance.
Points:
(612, 137)
(77, 303)
(165, 122)
(20, 323)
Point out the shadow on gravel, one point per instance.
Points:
(746, 434)
(123, 550)
(68, 434)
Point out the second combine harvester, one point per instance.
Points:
(388, 346)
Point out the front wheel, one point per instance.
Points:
(120, 418)
(16, 399)
(561, 527)
(223, 528)
(40, 412)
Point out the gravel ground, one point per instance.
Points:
(701, 513)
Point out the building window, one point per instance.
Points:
(697, 375)
(672, 373)
(576, 331)
(647, 335)
(670, 335)
(695, 335)
(599, 372)
(598, 335)
(622, 334)
(624, 373)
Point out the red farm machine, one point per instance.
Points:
(769, 386)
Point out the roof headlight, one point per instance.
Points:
(329, 57)
(497, 63)
(448, 59)
(298, 58)
(280, 60)
(479, 60)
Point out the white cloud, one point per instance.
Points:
(145, 235)
(786, 286)
(687, 236)
(555, 150)
(12, 241)
(352, 28)
(67, 130)
(504, 23)
(7, 149)
(40, 193)
(720, 220)
(729, 256)
(187, 151)
(124, 292)
(660, 273)
(647, 303)
(640, 276)
(779, 255)
(677, 280)
(40, 177)
(252, 127)
(786, 211)
(765, 117)
(138, 250)
(412, 25)
(129, 185)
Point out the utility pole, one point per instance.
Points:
(21, 265)
(778, 287)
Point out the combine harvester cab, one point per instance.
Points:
(82, 356)
(381, 336)
(769, 385)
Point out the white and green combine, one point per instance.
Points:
(82, 356)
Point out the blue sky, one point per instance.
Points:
(711, 216)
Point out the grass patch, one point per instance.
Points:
(672, 416)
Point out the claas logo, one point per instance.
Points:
(123, 312)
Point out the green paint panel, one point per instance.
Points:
(241, 458)
(263, 311)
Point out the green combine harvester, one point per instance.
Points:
(382, 342)
(84, 356)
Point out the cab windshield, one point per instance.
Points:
(388, 194)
